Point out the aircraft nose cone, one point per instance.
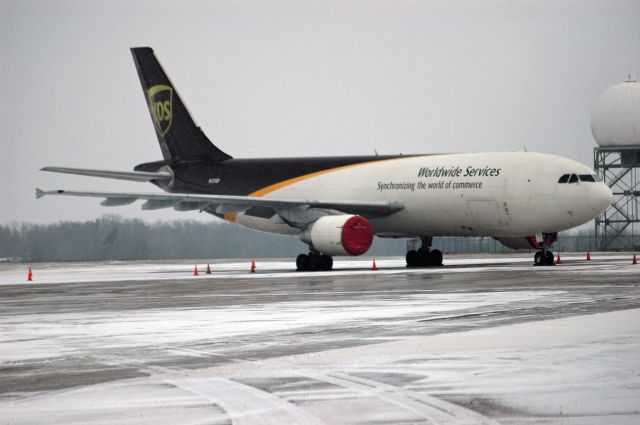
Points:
(600, 197)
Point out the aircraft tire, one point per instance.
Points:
(327, 262)
(549, 260)
(302, 262)
(538, 259)
(412, 258)
(435, 257)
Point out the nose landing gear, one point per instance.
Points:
(545, 257)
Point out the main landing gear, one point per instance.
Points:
(424, 256)
(314, 261)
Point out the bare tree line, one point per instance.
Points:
(111, 237)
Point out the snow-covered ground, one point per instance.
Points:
(479, 341)
(25, 337)
(579, 370)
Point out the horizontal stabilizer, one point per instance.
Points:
(136, 176)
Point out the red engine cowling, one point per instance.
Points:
(341, 235)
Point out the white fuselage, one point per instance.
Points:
(474, 194)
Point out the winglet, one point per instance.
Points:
(40, 193)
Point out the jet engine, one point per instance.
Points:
(340, 235)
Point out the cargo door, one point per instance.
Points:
(489, 214)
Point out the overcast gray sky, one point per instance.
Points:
(297, 78)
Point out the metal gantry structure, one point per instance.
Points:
(618, 228)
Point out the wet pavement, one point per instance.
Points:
(481, 340)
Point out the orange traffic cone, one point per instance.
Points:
(29, 275)
(208, 269)
(588, 256)
(635, 260)
(374, 267)
(558, 261)
(253, 266)
(195, 270)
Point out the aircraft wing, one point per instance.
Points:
(223, 204)
(137, 176)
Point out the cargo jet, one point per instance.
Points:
(337, 205)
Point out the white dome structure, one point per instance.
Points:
(615, 119)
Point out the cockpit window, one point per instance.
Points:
(587, 178)
(575, 178)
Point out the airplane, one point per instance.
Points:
(337, 205)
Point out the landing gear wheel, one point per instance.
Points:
(412, 258)
(314, 261)
(424, 256)
(538, 259)
(302, 262)
(327, 262)
(548, 258)
(436, 257)
(544, 258)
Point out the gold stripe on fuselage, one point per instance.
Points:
(231, 217)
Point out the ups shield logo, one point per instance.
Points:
(161, 105)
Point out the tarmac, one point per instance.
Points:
(485, 339)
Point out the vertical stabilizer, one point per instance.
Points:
(179, 137)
